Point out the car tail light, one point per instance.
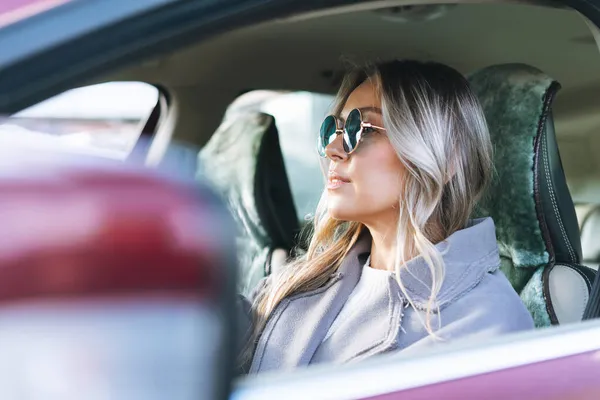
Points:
(114, 284)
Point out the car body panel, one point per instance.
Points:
(526, 365)
(12, 11)
(544, 380)
(114, 282)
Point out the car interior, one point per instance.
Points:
(252, 100)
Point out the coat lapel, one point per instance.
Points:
(298, 325)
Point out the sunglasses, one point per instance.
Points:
(352, 131)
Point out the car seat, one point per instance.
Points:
(536, 224)
(243, 160)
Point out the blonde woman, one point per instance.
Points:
(394, 263)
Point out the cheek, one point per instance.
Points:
(379, 180)
(376, 177)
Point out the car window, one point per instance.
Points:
(298, 116)
(104, 119)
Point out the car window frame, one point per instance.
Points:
(84, 39)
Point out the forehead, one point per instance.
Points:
(364, 97)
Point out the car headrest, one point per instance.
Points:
(590, 234)
(528, 199)
(243, 159)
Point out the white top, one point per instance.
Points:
(362, 311)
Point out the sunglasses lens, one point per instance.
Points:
(326, 135)
(351, 130)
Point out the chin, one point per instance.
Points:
(343, 207)
(342, 213)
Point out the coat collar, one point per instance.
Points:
(302, 321)
(468, 255)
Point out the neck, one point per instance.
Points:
(383, 247)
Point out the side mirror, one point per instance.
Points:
(114, 283)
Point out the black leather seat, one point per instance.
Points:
(244, 160)
(537, 229)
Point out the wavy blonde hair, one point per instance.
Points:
(437, 127)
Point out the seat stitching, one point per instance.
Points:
(583, 275)
(553, 199)
(586, 279)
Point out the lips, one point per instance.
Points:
(336, 180)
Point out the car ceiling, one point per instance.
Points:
(310, 53)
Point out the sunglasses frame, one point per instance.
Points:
(346, 136)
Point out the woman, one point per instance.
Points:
(394, 263)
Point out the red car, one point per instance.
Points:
(209, 62)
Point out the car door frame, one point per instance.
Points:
(68, 45)
(561, 361)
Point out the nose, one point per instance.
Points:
(335, 150)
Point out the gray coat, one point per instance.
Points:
(475, 301)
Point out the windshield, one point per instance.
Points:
(104, 119)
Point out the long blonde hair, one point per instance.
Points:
(437, 127)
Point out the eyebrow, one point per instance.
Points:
(371, 109)
(365, 110)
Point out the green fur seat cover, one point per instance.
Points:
(512, 96)
(230, 160)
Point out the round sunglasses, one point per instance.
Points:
(352, 131)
